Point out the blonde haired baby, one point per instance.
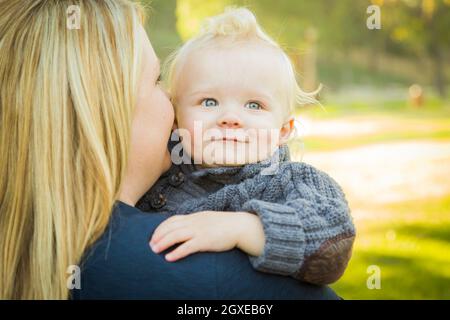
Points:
(232, 184)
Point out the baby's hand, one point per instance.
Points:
(202, 231)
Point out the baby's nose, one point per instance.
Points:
(229, 120)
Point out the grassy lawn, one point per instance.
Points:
(434, 108)
(411, 248)
(336, 143)
(408, 240)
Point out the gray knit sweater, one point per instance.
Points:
(307, 224)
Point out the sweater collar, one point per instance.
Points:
(234, 174)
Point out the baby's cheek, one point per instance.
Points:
(267, 140)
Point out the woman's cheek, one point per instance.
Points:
(165, 110)
(159, 121)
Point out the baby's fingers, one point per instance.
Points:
(168, 240)
(166, 227)
(182, 251)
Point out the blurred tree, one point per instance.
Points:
(412, 30)
(422, 28)
(191, 13)
(161, 25)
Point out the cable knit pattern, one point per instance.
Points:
(306, 219)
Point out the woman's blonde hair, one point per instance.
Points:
(234, 27)
(66, 103)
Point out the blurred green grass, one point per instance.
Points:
(335, 143)
(411, 248)
(434, 107)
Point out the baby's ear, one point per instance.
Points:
(286, 130)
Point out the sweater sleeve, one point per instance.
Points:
(309, 232)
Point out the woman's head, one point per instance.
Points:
(67, 109)
(152, 121)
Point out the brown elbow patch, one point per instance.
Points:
(328, 263)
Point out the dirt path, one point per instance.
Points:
(389, 172)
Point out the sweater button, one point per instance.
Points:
(158, 201)
(176, 179)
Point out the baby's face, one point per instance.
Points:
(231, 104)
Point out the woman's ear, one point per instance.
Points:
(286, 130)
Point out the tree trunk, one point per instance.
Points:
(436, 54)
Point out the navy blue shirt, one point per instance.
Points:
(121, 265)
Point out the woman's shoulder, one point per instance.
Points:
(122, 265)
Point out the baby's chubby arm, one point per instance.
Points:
(307, 224)
(209, 231)
(304, 231)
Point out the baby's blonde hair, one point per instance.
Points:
(236, 26)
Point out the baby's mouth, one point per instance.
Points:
(230, 139)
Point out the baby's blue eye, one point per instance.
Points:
(253, 105)
(210, 102)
